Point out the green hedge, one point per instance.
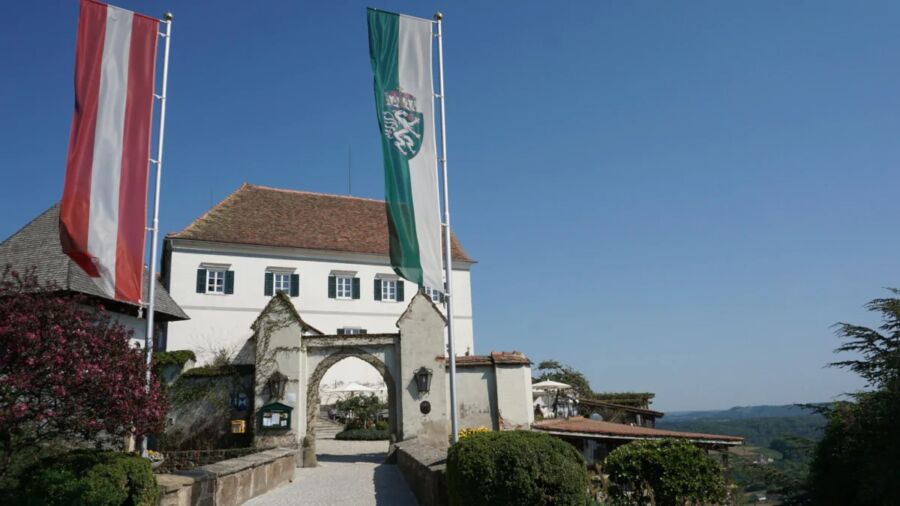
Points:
(89, 477)
(668, 471)
(363, 435)
(515, 468)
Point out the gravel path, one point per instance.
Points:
(349, 472)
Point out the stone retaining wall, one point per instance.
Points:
(229, 482)
(425, 470)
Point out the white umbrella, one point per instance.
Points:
(355, 387)
(550, 385)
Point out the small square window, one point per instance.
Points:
(215, 281)
(344, 287)
(434, 294)
(282, 282)
(389, 290)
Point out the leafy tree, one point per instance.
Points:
(67, 372)
(363, 410)
(857, 462)
(554, 371)
(667, 472)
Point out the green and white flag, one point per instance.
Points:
(400, 50)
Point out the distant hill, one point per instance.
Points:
(759, 425)
(740, 412)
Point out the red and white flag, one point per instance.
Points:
(103, 213)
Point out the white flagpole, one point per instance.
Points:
(148, 339)
(448, 256)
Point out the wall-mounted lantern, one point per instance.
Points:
(423, 380)
(275, 385)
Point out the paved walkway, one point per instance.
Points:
(349, 472)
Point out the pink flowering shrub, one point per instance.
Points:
(67, 372)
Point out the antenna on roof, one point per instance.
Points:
(349, 169)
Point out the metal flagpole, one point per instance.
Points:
(448, 292)
(148, 339)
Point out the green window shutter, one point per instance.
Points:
(377, 289)
(340, 332)
(363, 331)
(332, 287)
(268, 291)
(201, 280)
(229, 282)
(355, 288)
(399, 290)
(442, 297)
(295, 285)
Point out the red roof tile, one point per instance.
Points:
(583, 425)
(266, 216)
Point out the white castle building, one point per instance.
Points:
(328, 252)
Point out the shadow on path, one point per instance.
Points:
(390, 487)
(372, 458)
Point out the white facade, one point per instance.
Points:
(222, 321)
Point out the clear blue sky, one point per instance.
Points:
(673, 198)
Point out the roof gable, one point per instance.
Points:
(280, 303)
(264, 216)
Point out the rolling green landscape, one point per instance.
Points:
(779, 441)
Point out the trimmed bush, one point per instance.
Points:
(515, 468)
(670, 471)
(90, 477)
(363, 435)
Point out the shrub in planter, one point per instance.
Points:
(363, 435)
(515, 468)
(663, 472)
(89, 477)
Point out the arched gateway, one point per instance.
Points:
(292, 357)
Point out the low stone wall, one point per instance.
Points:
(425, 470)
(229, 482)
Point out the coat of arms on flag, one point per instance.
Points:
(403, 123)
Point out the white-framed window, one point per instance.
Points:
(215, 281)
(351, 331)
(389, 290)
(344, 287)
(434, 294)
(281, 281)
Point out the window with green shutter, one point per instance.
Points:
(295, 285)
(377, 289)
(332, 287)
(229, 282)
(355, 288)
(268, 284)
(201, 280)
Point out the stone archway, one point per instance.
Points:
(285, 344)
(312, 386)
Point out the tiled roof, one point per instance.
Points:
(266, 216)
(37, 245)
(581, 425)
(496, 357)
